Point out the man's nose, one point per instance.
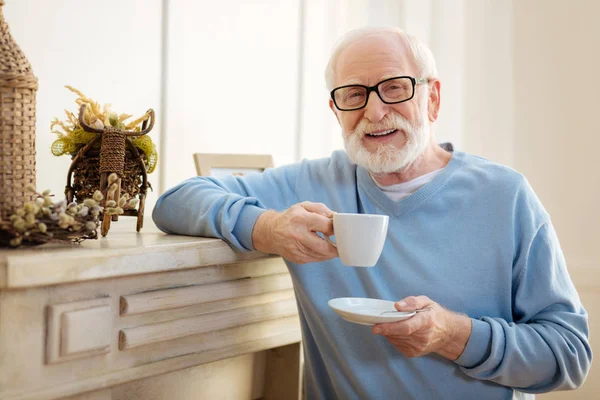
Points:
(375, 109)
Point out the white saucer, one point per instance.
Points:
(367, 311)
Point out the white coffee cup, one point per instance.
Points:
(359, 238)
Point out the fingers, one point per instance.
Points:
(409, 326)
(319, 223)
(403, 328)
(318, 208)
(412, 303)
(321, 247)
(309, 248)
(317, 217)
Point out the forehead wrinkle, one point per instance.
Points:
(375, 58)
(357, 71)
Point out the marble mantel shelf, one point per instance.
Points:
(121, 253)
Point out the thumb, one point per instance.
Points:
(412, 303)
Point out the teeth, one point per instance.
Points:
(381, 133)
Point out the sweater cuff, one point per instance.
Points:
(242, 230)
(478, 346)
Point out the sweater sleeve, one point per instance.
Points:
(546, 345)
(225, 208)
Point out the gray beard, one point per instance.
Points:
(388, 158)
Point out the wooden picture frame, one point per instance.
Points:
(219, 165)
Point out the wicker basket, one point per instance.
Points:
(111, 151)
(86, 176)
(18, 87)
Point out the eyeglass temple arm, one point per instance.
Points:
(419, 81)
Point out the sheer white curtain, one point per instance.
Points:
(472, 43)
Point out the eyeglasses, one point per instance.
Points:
(390, 91)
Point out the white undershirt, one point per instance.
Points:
(401, 190)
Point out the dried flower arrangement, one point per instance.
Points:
(101, 143)
(42, 221)
(72, 137)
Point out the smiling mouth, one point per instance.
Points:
(381, 133)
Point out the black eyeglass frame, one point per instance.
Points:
(369, 89)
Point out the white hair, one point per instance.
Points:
(419, 53)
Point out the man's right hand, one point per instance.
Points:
(292, 233)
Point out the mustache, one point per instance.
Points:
(392, 121)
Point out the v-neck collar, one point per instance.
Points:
(374, 192)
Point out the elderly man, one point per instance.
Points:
(467, 239)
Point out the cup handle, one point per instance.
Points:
(331, 242)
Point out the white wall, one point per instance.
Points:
(556, 135)
(556, 130)
(232, 81)
(110, 50)
(488, 100)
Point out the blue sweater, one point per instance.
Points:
(476, 239)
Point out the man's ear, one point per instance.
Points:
(433, 104)
(332, 106)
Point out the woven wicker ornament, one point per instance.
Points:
(18, 87)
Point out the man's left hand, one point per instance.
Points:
(436, 330)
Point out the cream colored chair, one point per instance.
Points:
(210, 164)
